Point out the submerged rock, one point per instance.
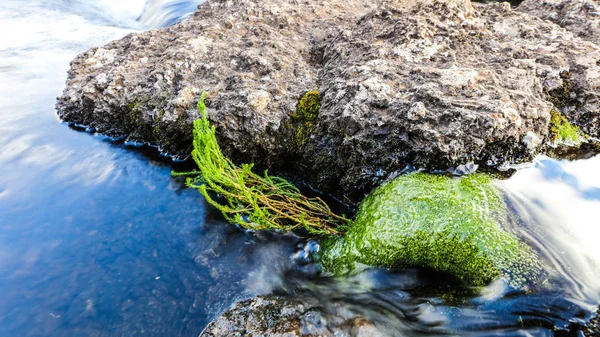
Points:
(436, 222)
(285, 317)
(434, 83)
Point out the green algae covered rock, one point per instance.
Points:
(563, 132)
(438, 222)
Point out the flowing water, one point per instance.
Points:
(97, 239)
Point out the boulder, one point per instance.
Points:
(435, 84)
(254, 58)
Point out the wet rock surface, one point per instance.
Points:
(277, 316)
(593, 327)
(435, 84)
(285, 317)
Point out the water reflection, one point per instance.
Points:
(557, 207)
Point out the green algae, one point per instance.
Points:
(308, 107)
(563, 98)
(564, 132)
(306, 115)
(250, 200)
(434, 221)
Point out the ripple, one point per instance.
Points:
(554, 213)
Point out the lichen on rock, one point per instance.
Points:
(437, 222)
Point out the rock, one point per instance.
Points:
(574, 98)
(474, 84)
(582, 17)
(435, 84)
(285, 317)
(254, 58)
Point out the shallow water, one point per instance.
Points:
(96, 238)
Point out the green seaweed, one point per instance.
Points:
(437, 222)
(250, 200)
(417, 220)
(563, 131)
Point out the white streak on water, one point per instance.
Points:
(160, 13)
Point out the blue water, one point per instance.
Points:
(97, 239)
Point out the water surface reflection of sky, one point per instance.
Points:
(557, 203)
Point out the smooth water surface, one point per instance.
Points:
(97, 239)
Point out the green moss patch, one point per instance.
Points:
(438, 222)
(306, 115)
(308, 107)
(563, 131)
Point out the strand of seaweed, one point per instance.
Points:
(250, 200)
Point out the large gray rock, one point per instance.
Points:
(254, 58)
(432, 83)
(283, 317)
(437, 83)
(577, 97)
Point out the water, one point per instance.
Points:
(96, 238)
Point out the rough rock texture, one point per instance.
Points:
(432, 83)
(582, 17)
(282, 317)
(254, 58)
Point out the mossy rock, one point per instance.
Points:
(308, 107)
(305, 116)
(437, 222)
(564, 132)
